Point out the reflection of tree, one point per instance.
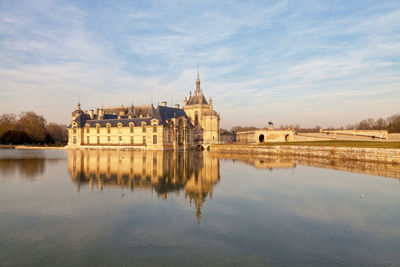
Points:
(164, 172)
(30, 167)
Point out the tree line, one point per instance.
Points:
(391, 124)
(30, 128)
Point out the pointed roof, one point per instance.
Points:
(198, 96)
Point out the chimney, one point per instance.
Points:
(91, 114)
(176, 105)
(164, 103)
(100, 114)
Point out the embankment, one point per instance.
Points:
(41, 147)
(378, 155)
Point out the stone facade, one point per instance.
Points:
(378, 155)
(264, 135)
(135, 127)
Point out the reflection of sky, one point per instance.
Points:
(285, 216)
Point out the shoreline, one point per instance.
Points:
(33, 147)
(377, 155)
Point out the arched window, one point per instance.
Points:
(196, 118)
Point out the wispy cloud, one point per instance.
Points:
(314, 62)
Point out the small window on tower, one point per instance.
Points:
(196, 119)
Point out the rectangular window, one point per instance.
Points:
(98, 139)
(131, 128)
(74, 130)
(144, 140)
(88, 140)
(108, 129)
(132, 140)
(108, 139)
(120, 139)
(74, 140)
(97, 129)
(87, 129)
(154, 129)
(143, 129)
(154, 139)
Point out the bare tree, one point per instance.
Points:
(394, 123)
(33, 125)
(8, 122)
(58, 132)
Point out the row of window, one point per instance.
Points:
(109, 129)
(120, 140)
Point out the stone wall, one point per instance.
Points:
(382, 134)
(380, 155)
(394, 136)
(268, 135)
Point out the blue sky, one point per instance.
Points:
(327, 63)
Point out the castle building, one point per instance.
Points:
(146, 127)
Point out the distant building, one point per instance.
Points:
(265, 135)
(226, 137)
(146, 127)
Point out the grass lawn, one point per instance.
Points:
(339, 143)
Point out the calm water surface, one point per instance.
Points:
(93, 208)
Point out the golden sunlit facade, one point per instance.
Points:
(146, 127)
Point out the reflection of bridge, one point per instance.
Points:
(206, 146)
(164, 172)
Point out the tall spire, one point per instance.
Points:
(198, 80)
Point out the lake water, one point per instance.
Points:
(91, 208)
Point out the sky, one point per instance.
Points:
(326, 63)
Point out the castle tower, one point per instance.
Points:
(202, 115)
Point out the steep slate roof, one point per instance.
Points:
(197, 98)
(162, 114)
(166, 113)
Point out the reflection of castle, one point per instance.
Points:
(162, 171)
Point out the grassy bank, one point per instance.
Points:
(339, 143)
